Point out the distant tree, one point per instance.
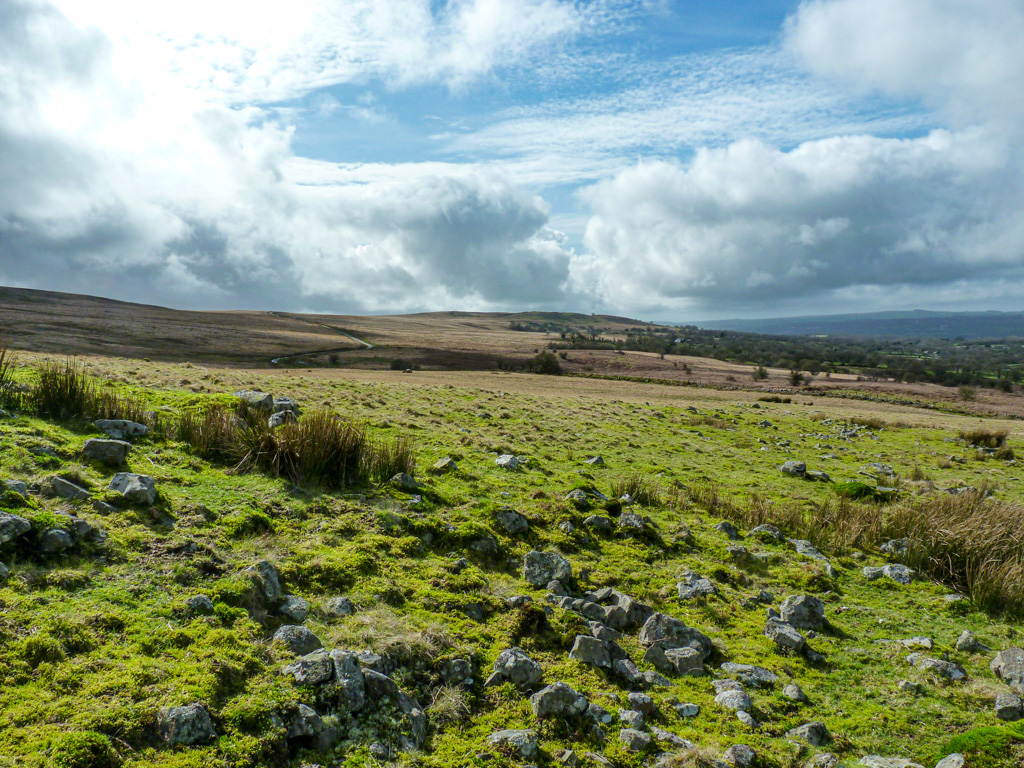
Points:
(796, 378)
(760, 373)
(546, 363)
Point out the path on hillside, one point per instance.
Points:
(279, 360)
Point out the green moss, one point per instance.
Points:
(87, 749)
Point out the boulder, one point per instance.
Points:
(1008, 666)
(312, 669)
(507, 461)
(803, 612)
(539, 568)
(1009, 707)
(279, 419)
(729, 530)
(794, 468)
(673, 633)
(947, 669)
(522, 742)
(444, 466)
(740, 756)
(517, 668)
(671, 739)
(558, 700)
(631, 718)
(634, 740)
(955, 760)
(185, 725)
(65, 489)
(112, 453)
(12, 527)
(630, 523)
(578, 499)
(686, 661)
(405, 482)
(785, 637)
(282, 404)
(969, 643)
(338, 607)
(748, 674)
(877, 761)
(814, 733)
(136, 489)
(693, 586)
(297, 639)
(199, 605)
(599, 523)
(511, 521)
(590, 651)
(737, 701)
(294, 608)
(642, 703)
(767, 533)
(267, 581)
(261, 401)
(121, 429)
(55, 541)
(350, 683)
(794, 692)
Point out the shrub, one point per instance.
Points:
(984, 438)
(64, 391)
(545, 363)
(760, 373)
(796, 378)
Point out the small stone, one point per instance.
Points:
(1009, 707)
(262, 401)
(521, 741)
(112, 453)
(738, 701)
(969, 643)
(794, 692)
(339, 607)
(65, 489)
(767, 533)
(185, 725)
(590, 651)
(740, 756)
(199, 605)
(594, 461)
(955, 760)
(121, 429)
(814, 733)
(784, 636)
(876, 761)
(54, 541)
(294, 608)
(297, 639)
(631, 718)
(507, 461)
(312, 669)
(1008, 666)
(558, 700)
(136, 489)
(541, 567)
(748, 674)
(634, 740)
(630, 522)
(578, 499)
(693, 586)
(12, 527)
(512, 522)
(729, 530)
(673, 633)
(746, 718)
(803, 612)
(687, 710)
(519, 669)
(599, 523)
(405, 482)
(906, 686)
(642, 703)
(444, 466)
(794, 468)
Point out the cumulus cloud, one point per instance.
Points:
(184, 200)
(751, 228)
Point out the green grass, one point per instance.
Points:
(92, 645)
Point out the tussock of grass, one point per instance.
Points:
(8, 397)
(640, 489)
(113, 405)
(984, 438)
(64, 391)
(449, 706)
(393, 635)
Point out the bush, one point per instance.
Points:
(546, 363)
(967, 393)
(796, 378)
(760, 373)
(64, 391)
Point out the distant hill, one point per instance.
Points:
(920, 324)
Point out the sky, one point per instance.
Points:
(657, 159)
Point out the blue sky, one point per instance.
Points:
(678, 160)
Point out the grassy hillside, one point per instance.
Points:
(97, 639)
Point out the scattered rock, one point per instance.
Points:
(814, 733)
(895, 571)
(297, 639)
(350, 683)
(947, 669)
(578, 499)
(112, 453)
(55, 541)
(955, 760)
(312, 669)
(794, 468)
(1008, 666)
(667, 737)
(673, 633)
(875, 761)
(444, 466)
(736, 700)
(634, 740)
(794, 692)
(558, 700)
(694, 586)
(594, 461)
(508, 461)
(590, 651)
(969, 643)
(729, 530)
(185, 725)
(1009, 707)
(405, 482)
(512, 522)
(12, 527)
(803, 612)
(199, 605)
(121, 429)
(294, 608)
(338, 607)
(748, 674)
(267, 581)
(262, 401)
(767, 532)
(818, 476)
(517, 668)
(279, 419)
(630, 522)
(784, 636)
(65, 489)
(541, 567)
(522, 741)
(599, 523)
(136, 489)
(631, 718)
(740, 756)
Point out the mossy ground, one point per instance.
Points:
(92, 645)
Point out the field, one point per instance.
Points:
(96, 640)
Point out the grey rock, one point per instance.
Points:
(823, 760)
(1008, 666)
(512, 522)
(746, 718)
(784, 636)
(12, 527)
(110, 453)
(444, 466)
(794, 692)
(740, 756)
(519, 669)
(268, 581)
(599, 523)
(338, 607)
(457, 672)
(4, 572)
(521, 741)
(55, 541)
(955, 760)
(687, 709)
(748, 674)
(65, 489)
(558, 700)
(294, 608)
(598, 714)
(896, 547)
(673, 633)
(185, 725)
(634, 740)
(768, 533)
(297, 639)
(1009, 707)
(817, 475)
(405, 482)
(282, 404)
(350, 683)
(631, 718)
(578, 499)
(693, 586)
(630, 522)
(729, 530)
(279, 419)
(262, 401)
(629, 673)
(686, 661)
(947, 669)
(136, 489)
(590, 651)
(738, 701)
(642, 703)
(794, 468)
(594, 461)
(507, 461)
(312, 669)
(877, 761)
(121, 429)
(814, 733)
(18, 487)
(304, 722)
(199, 605)
(666, 737)
(901, 574)
(803, 612)
(969, 643)
(541, 567)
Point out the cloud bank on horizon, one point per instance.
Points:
(644, 157)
